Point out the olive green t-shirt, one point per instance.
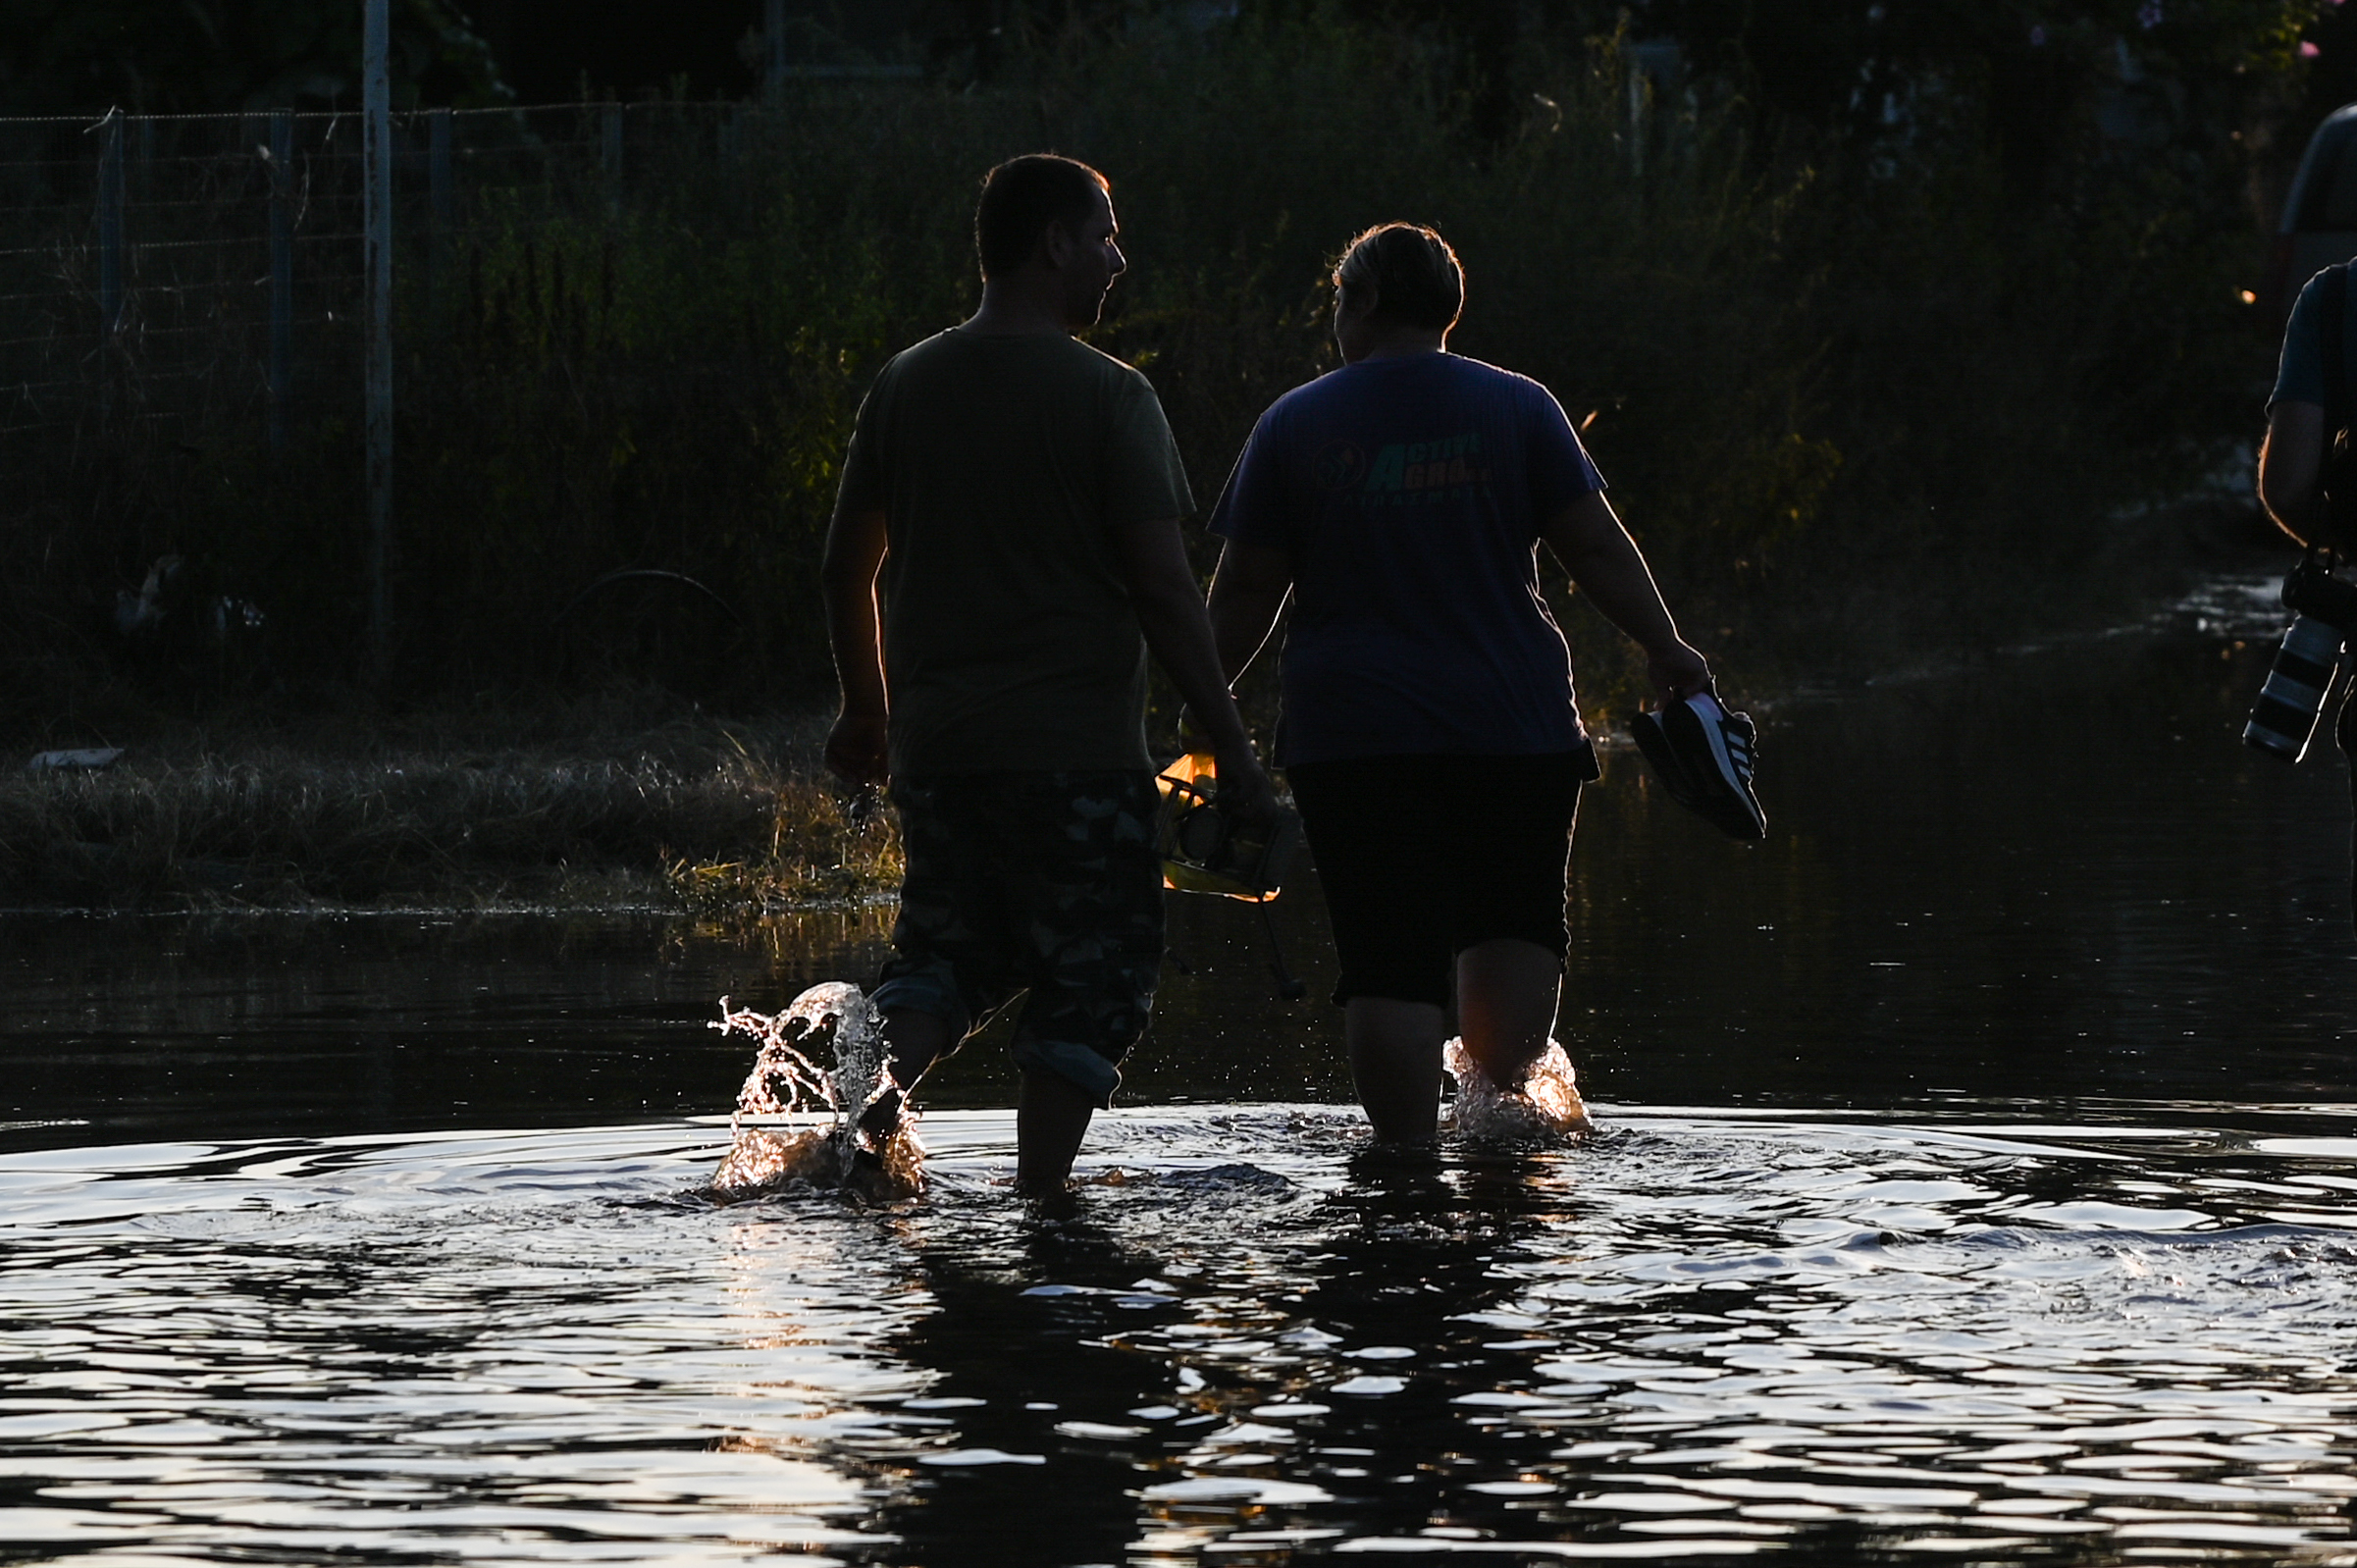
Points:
(1003, 466)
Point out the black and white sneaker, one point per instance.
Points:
(1703, 754)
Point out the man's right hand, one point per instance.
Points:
(856, 749)
(1245, 790)
(1244, 786)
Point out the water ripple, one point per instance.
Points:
(1693, 1338)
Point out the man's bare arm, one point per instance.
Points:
(856, 543)
(1604, 562)
(1169, 610)
(1248, 595)
(2291, 470)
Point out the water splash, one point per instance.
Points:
(853, 1154)
(1545, 1105)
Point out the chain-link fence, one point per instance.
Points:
(182, 307)
(195, 270)
(629, 342)
(148, 265)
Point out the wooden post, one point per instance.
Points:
(1636, 117)
(438, 165)
(375, 159)
(610, 122)
(110, 229)
(438, 204)
(773, 27)
(282, 268)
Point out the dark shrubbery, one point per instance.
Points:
(1841, 400)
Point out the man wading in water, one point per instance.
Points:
(1017, 496)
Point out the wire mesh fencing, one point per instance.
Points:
(629, 342)
(592, 320)
(204, 268)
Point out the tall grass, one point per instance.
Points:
(610, 808)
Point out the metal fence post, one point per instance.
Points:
(110, 229)
(281, 270)
(376, 144)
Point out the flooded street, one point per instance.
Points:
(1977, 1182)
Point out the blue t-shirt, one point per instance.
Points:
(1408, 493)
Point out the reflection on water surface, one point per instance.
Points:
(1694, 1337)
(1994, 1204)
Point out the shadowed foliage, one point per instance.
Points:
(1854, 396)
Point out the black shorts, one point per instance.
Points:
(1424, 856)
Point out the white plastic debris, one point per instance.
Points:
(87, 761)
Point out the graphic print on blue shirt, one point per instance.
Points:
(1409, 495)
(1427, 470)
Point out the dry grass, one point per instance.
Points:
(582, 808)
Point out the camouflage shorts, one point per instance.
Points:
(1045, 883)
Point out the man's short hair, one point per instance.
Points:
(1415, 275)
(1021, 198)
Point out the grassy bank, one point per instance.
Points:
(637, 800)
(617, 804)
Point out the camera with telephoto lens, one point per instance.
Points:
(2324, 612)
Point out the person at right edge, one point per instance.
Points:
(1427, 732)
(2309, 403)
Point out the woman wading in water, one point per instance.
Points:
(1428, 731)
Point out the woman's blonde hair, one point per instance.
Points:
(1415, 275)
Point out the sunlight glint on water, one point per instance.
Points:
(1686, 1337)
(1964, 1260)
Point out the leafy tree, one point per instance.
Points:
(2049, 82)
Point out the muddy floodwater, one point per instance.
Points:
(1977, 1182)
